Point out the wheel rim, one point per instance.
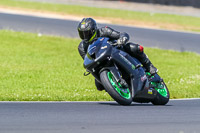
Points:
(124, 92)
(161, 88)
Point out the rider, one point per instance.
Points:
(89, 32)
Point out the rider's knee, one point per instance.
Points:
(133, 48)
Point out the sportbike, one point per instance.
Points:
(123, 76)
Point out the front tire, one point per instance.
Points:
(163, 95)
(115, 90)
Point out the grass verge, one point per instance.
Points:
(45, 68)
(156, 20)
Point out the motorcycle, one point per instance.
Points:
(122, 76)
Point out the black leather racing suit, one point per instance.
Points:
(134, 50)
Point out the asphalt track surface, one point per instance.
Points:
(147, 37)
(179, 116)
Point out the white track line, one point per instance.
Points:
(84, 101)
(183, 99)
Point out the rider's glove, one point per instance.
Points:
(124, 38)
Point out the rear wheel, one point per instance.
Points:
(115, 90)
(163, 95)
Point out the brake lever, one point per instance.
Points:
(117, 45)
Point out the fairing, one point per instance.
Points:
(101, 51)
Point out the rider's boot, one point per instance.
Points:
(137, 51)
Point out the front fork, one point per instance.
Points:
(115, 72)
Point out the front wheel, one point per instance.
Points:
(114, 89)
(163, 95)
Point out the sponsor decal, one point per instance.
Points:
(83, 21)
(104, 47)
(83, 26)
(127, 61)
(101, 39)
(143, 78)
(150, 92)
(133, 67)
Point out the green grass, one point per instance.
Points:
(165, 21)
(43, 68)
(49, 68)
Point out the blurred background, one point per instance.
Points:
(183, 7)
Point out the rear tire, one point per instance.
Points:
(118, 97)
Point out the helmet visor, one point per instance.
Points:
(85, 35)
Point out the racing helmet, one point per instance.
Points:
(87, 29)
